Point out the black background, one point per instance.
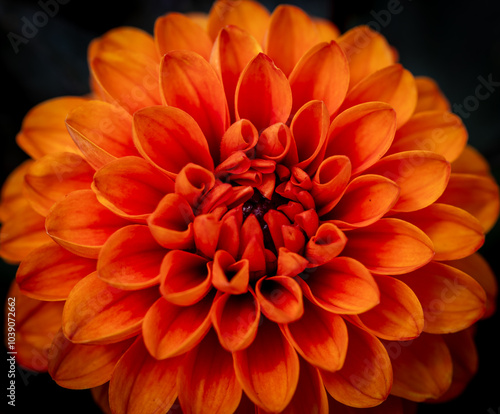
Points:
(452, 42)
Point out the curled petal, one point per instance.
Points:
(228, 275)
(280, 298)
(290, 263)
(241, 136)
(330, 181)
(193, 182)
(276, 143)
(430, 97)
(326, 244)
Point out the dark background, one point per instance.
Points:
(452, 42)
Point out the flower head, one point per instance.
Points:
(250, 210)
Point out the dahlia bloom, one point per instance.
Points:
(250, 212)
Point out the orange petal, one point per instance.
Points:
(206, 229)
(342, 286)
(176, 31)
(193, 182)
(131, 259)
(478, 195)
(94, 311)
(170, 330)
(276, 143)
(422, 367)
(50, 272)
(392, 405)
(206, 382)
(228, 275)
(102, 131)
(12, 196)
(263, 94)
(188, 82)
(54, 176)
(269, 382)
(422, 177)
(320, 337)
(363, 133)
(100, 395)
(280, 298)
(69, 363)
(80, 224)
(44, 132)
(290, 263)
(366, 50)
(390, 246)
(326, 244)
(291, 33)
(185, 279)
(430, 97)
(393, 85)
(451, 299)
(454, 232)
(239, 137)
(471, 161)
(366, 377)
(142, 384)
(169, 138)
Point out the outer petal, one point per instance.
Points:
(430, 97)
(100, 395)
(280, 298)
(12, 196)
(471, 161)
(392, 405)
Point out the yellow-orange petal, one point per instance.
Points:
(471, 161)
(80, 224)
(390, 246)
(363, 133)
(170, 330)
(50, 272)
(269, 382)
(170, 138)
(206, 381)
(451, 299)
(263, 94)
(93, 312)
(54, 176)
(12, 196)
(175, 31)
(131, 259)
(43, 130)
(422, 177)
(393, 85)
(280, 298)
(228, 275)
(422, 367)
(366, 377)
(326, 29)
(430, 97)
(102, 131)
(142, 384)
(69, 362)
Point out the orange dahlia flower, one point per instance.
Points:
(249, 213)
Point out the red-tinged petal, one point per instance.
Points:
(398, 316)
(235, 319)
(206, 229)
(131, 187)
(422, 177)
(422, 367)
(263, 94)
(363, 133)
(50, 272)
(100, 395)
(170, 330)
(102, 131)
(171, 223)
(12, 196)
(248, 15)
(269, 382)
(53, 176)
(330, 181)
(366, 377)
(228, 275)
(275, 220)
(229, 238)
(471, 161)
(188, 82)
(233, 49)
(430, 97)
(393, 85)
(392, 405)
(44, 132)
(366, 50)
(241, 136)
(451, 299)
(276, 143)
(140, 384)
(185, 278)
(478, 195)
(321, 74)
(131, 259)
(342, 286)
(291, 33)
(127, 78)
(169, 138)
(454, 232)
(366, 199)
(280, 298)
(390, 246)
(80, 224)
(206, 382)
(290, 263)
(293, 238)
(307, 221)
(326, 244)
(320, 337)
(69, 362)
(23, 232)
(94, 312)
(176, 31)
